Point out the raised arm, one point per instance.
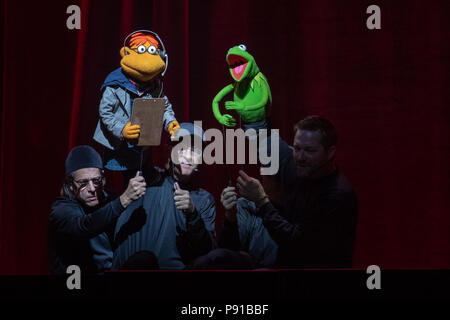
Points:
(225, 119)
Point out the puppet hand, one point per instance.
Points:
(182, 199)
(234, 105)
(131, 131)
(173, 126)
(227, 120)
(229, 200)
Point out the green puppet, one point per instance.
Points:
(252, 97)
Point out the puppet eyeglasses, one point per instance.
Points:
(142, 49)
(97, 182)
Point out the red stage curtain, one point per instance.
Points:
(385, 90)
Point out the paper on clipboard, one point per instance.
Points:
(148, 114)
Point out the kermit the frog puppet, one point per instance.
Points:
(251, 91)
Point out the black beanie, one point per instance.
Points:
(81, 157)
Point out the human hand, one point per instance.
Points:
(229, 201)
(131, 131)
(251, 189)
(182, 199)
(135, 190)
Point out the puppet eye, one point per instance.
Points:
(141, 48)
(152, 49)
(243, 47)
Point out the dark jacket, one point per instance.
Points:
(153, 223)
(317, 226)
(249, 235)
(79, 235)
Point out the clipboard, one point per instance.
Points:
(148, 114)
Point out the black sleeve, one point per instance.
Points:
(229, 236)
(280, 229)
(68, 217)
(324, 226)
(200, 226)
(286, 171)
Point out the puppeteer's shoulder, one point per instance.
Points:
(64, 206)
(343, 184)
(62, 202)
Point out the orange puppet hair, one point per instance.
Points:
(141, 38)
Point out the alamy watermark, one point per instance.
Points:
(261, 146)
(374, 280)
(372, 22)
(74, 279)
(74, 20)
